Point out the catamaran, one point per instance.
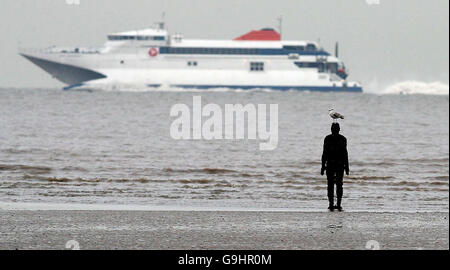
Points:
(153, 58)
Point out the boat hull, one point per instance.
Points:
(111, 71)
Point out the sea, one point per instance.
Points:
(115, 148)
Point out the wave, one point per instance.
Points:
(25, 168)
(141, 180)
(389, 162)
(441, 177)
(163, 88)
(204, 170)
(416, 87)
(355, 178)
(52, 179)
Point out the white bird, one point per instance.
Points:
(335, 115)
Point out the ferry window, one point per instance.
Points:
(145, 38)
(195, 63)
(307, 64)
(115, 37)
(332, 67)
(187, 50)
(256, 66)
(311, 47)
(321, 67)
(294, 48)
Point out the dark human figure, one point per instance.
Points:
(335, 162)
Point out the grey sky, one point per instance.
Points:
(394, 41)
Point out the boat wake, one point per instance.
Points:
(416, 87)
(138, 88)
(402, 88)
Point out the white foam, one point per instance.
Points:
(416, 87)
(137, 88)
(406, 87)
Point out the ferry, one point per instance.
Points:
(153, 58)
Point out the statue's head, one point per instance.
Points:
(335, 128)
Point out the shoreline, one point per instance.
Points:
(31, 206)
(233, 230)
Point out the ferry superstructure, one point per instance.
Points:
(154, 58)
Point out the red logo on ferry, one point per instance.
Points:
(153, 52)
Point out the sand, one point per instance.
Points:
(193, 230)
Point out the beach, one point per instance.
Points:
(217, 230)
(214, 129)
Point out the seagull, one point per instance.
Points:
(335, 115)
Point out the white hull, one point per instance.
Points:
(124, 64)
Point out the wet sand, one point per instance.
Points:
(192, 230)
